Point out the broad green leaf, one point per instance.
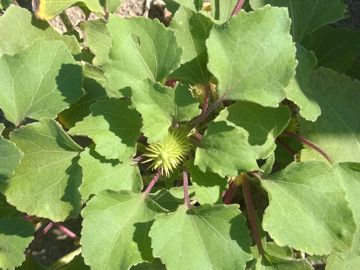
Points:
(15, 235)
(48, 9)
(307, 209)
(208, 186)
(221, 10)
(125, 219)
(279, 258)
(10, 157)
(349, 175)
(225, 150)
(154, 265)
(263, 124)
(171, 199)
(335, 48)
(20, 29)
(277, 253)
(354, 71)
(114, 127)
(300, 90)
(94, 72)
(191, 30)
(46, 181)
(39, 82)
(337, 130)
(307, 15)
(78, 111)
(253, 56)
(98, 39)
(285, 265)
(206, 237)
(101, 174)
(141, 49)
(159, 106)
(31, 264)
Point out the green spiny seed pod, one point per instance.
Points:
(293, 125)
(167, 154)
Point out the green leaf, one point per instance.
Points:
(112, 5)
(354, 71)
(307, 209)
(154, 265)
(98, 39)
(48, 9)
(191, 30)
(349, 175)
(101, 174)
(307, 15)
(125, 219)
(208, 186)
(221, 10)
(39, 82)
(225, 150)
(335, 48)
(20, 29)
(78, 111)
(263, 124)
(141, 49)
(253, 56)
(10, 157)
(31, 264)
(15, 235)
(285, 265)
(337, 130)
(300, 90)
(114, 127)
(159, 106)
(207, 237)
(45, 183)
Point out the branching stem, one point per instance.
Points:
(152, 183)
(206, 113)
(310, 144)
(250, 209)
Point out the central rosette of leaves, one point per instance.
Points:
(167, 154)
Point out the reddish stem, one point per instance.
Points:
(66, 231)
(230, 193)
(48, 228)
(197, 135)
(310, 144)
(205, 114)
(250, 209)
(186, 190)
(238, 7)
(152, 183)
(170, 83)
(207, 98)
